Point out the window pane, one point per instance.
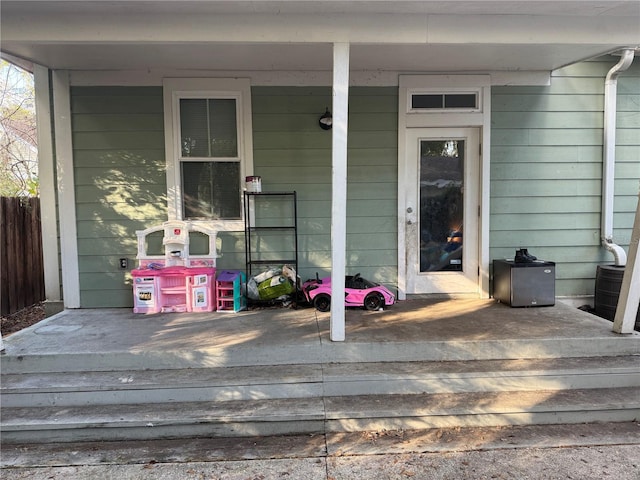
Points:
(208, 128)
(222, 128)
(211, 190)
(460, 100)
(427, 101)
(441, 205)
(193, 128)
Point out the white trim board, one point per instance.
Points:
(302, 78)
(46, 174)
(66, 192)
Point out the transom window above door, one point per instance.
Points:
(208, 149)
(453, 100)
(444, 101)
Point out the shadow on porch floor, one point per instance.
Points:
(414, 329)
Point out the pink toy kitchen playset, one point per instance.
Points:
(176, 281)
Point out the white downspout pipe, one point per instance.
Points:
(609, 156)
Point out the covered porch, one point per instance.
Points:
(340, 45)
(110, 374)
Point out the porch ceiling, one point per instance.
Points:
(403, 36)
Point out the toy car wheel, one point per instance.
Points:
(322, 302)
(373, 301)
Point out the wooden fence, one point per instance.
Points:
(21, 265)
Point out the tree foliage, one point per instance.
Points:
(18, 138)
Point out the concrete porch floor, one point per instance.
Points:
(412, 330)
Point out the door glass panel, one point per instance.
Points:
(441, 204)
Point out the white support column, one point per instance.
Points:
(339, 191)
(66, 192)
(46, 174)
(629, 298)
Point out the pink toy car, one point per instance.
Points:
(358, 293)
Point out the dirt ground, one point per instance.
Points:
(22, 319)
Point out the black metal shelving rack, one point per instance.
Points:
(253, 231)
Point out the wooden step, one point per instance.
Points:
(160, 386)
(243, 418)
(315, 380)
(312, 398)
(325, 352)
(474, 409)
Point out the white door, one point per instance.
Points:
(442, 209)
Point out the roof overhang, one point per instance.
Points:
(400, 36)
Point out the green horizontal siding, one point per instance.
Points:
(548, 221)
(557, 240)
(106, 298)
(550, 171)
(139, 122)
(142, 174)
(120, 158)
(533, 187)
(120, 184)
(119, 168)
(547, 204)
(116, 100)
(505, 102)
(291, 152)
(546, 170)
(526, 136)
(546, 120)
(128, 140)
(545, 153)
(628, 102)
(546, 156)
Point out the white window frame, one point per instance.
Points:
(175, 89)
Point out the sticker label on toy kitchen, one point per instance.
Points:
(199, 297)
(144, 296)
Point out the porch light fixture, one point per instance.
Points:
(326, 120)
